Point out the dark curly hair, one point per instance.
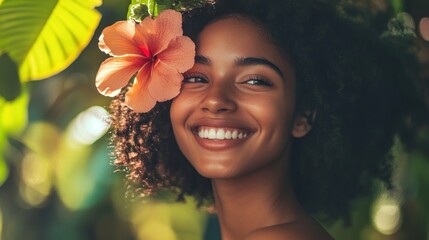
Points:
(354, 79)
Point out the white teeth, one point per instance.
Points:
(234, 134)
(228, 135)
(220, 134)
(212, 134)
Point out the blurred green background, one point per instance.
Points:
(56, 177)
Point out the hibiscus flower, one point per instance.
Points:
(154, 49)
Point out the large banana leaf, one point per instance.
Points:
(45, 36)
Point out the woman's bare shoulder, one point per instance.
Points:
(291, 231)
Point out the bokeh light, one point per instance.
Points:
(36, 179)
(386, 215)
(89, 125)
(80, 171)
(73, 182)
(154, 219)
(424, 28)
(154, 230)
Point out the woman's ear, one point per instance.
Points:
(303, 123)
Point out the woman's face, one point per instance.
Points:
(235, 112)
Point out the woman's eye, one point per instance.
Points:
(194, 79)
(258, 81)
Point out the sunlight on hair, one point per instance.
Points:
(36, 179)
(386, 215)
(89, 125)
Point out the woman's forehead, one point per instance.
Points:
(234, 37)
(236, 25)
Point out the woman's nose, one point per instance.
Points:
(218, 99)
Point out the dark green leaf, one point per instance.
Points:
(137, 12)
(10, 86)
(139, 9)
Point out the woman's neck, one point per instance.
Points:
(257, 200)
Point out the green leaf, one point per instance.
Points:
(184, 4)
(14, 114)
(139, 9)
(13, 119)
(45, 37)
(137, 12)
(398, 5)
(10, 87)
(4, 169)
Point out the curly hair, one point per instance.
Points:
(354, 79)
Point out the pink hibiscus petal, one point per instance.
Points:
(102, 45)
(180, 54)
(165, 82)
(156, 49)
(118, 39)
(424, 28)
(138, 98)
(115, 73)
(159, 32)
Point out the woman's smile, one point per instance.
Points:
(220, 134)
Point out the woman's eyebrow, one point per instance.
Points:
(243, 61)
(249, 61)
(202, 60)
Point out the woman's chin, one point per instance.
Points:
(215, 171)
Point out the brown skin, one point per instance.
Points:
(253, 196)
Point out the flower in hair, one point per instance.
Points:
(155, 49)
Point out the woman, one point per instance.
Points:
(289, 111)
(234, 120)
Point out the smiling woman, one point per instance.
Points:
(289, 112)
